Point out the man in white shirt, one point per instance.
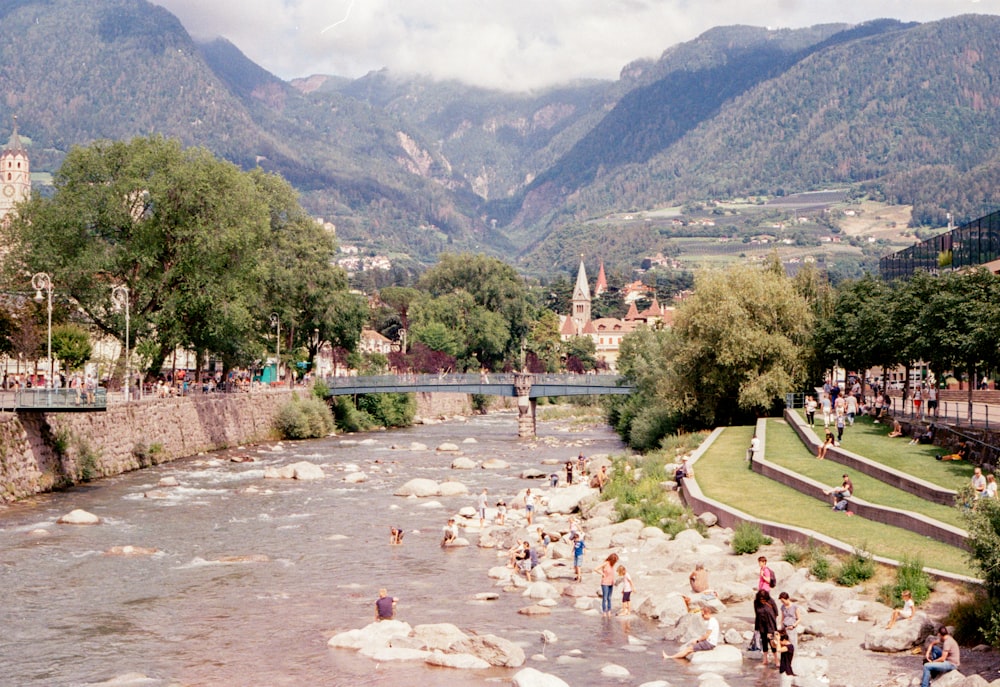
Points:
(706, 642)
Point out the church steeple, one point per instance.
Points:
(581, 298)
(15, 174)
(602, 282)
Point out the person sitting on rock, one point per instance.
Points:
(449, 532)
(905, 613)
(705, 642)
(942, 656)
(699, 585)
(385, 606)
(599, 479)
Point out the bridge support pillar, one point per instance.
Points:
(526, 406)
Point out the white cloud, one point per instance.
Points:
(509, 44)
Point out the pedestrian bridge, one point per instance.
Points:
(54, 400)
(525, 387)
(539, 385)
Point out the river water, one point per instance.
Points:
(252, 576)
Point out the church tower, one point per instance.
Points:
(15, 174)
(581, 299)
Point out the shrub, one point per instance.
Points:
(909, 575)
(820, 568)
(748, 538)
(858, 567)
(974, 621)
(308, 418)
(348, 418)
(636, 487)
(389, 410)
(320, 389)
(794, 554)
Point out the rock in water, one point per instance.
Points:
(496, 651)
(465, 661)
(419, 487)
(529, 677)
(495, 464)
(305, 470)
(79, 517)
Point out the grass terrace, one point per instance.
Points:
(872, 441)
(784, 448)
(723, 475)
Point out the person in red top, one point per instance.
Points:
(765, 577)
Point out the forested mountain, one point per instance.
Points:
(909, 113)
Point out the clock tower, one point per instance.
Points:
(15, 174)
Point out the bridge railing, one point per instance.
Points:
(469, 379)
(60, 399)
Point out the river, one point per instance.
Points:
(252, 576)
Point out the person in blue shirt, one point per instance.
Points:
(578, 547)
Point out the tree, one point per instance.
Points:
(179, 228)
(739, 344)
(71, 345)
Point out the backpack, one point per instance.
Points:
(774, 580)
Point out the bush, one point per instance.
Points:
(794, 554)
(858, 567)
(348, 418)
(320, 389)
(636, 487)
(389, 410)
(974, 620)
(748, 538)
(308, 418)
(909, 575)
(820, 568)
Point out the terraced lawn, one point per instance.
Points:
(783, 447)
(872, 441)
(723, 475)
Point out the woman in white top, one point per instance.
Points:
(991, 487)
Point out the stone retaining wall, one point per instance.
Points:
(40, 452)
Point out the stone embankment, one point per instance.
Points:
(40, 452)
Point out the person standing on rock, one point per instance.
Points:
(385, 606)
(501, 512)
(578, 547)
(607, 573)
(529, 505)
(481, 508)
(765, 624)
(766, 579)
(791, 617)
(942, 656)
(786, 650)
(627, 589)
(569, 472)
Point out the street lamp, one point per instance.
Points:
(276, 323)
(120, 299)
(43, 282)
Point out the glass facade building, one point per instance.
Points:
(970, 245)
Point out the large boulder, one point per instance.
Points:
(79, 516)
(494, 464)
(533, 473)
(452, 488)
(568, 500)
(304, 470)
(447, 447)
(464, 661)
(529, 677)
(689, 539)
(419, 487)
(724, 655)
(463, 463)
(355, 477)
(666, 606)
(823, 596)
(541, 590)
(392, 653)
(438, 636)
(373, 635)
(904, 635)
(496, 651)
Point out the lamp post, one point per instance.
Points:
(276, 323)
(43, 282)
(120, 299)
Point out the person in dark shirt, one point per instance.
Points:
(385, 606)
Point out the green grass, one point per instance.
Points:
(722, 475)
(784, 448)
(871, 441)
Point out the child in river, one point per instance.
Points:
(627, 589)
(395, 535)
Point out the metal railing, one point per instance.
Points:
(60, 399)
(377, 381)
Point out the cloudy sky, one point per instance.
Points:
(508, 44)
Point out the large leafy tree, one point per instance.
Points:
(176, 226)
(499, 306)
